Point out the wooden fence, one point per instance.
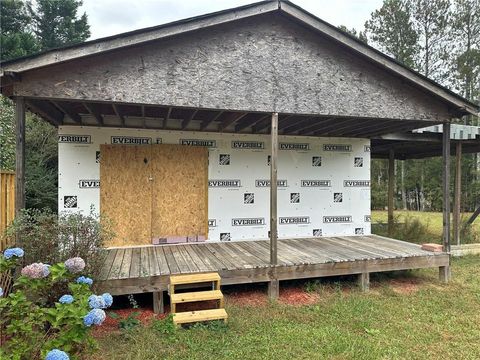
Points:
(7, 203)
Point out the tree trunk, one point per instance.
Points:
(402, 182)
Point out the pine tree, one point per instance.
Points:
(431, 22)
(16, 39)
(390, 29)
(56, 23)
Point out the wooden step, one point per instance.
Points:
(196, 296)
(200, 315)
(193, 278)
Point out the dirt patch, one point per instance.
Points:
(247, 298)
(405, 286)
(296, 296)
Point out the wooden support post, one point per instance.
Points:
(457, 194)
(273, 286)
(446, 186)
(364, 281)
(444, 274)
(273, 289)
(158, 306)
(20, 156)
(391, 189)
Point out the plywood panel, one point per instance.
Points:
(180, 185)
(125, 192)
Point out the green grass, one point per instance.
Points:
(434, 321)
(432, 224)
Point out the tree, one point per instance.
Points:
(390, 29)
(360, 35)
(465, 24)
(16, 39)
(25, 30)
(431, 22)
(55, 23)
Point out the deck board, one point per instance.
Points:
(147, 268)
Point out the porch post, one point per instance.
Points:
(20, 155)
(273, 285)
(445, 270)
(391, 189)
(458, 193)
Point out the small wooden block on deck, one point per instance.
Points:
(193, 278)
(201, 315)
(432, 247)
(196, 296)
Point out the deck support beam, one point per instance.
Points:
(391, 190)
(444, 274)
(445, 270)
(363, 281)
(158, 306)
(457, 193)
(20, 156)
(273, 287)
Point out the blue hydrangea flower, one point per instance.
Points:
(84, 280)
(108, 299)
(56, 354)
(94, 317)
(1, 292)
(17, 252)
(66, 299)
(96, 302)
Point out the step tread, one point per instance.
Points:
(196, 296)
(193, 278)
(200, 315)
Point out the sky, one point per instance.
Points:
(110, 17)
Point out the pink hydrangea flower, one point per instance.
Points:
(36, 271)
(75, 265)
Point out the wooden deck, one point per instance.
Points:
(147, 268)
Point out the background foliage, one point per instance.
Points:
(27, 28)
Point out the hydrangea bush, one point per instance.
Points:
(35, 328)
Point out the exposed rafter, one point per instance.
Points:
(167, 117)
(231, 119)
(300, 125)
(118, 111)
(47, 111)
(245, 123)
(67, 110)
(93, 110)
(187, 121)
(205, 123)
(324, 125)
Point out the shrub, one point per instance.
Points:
(33, 327)
(48, 237)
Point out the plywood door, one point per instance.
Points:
(179, 193)
(126, 192)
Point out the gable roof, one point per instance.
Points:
(461, 105)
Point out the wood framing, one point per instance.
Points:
(457, 193)
(20, 155)
(273, 287)
(446, 187)
(391, 191)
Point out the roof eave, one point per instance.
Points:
(459, 104)
(135, 37)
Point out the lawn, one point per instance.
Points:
(429, 230)
(405, 315)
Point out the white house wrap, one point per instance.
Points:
(323, 183)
